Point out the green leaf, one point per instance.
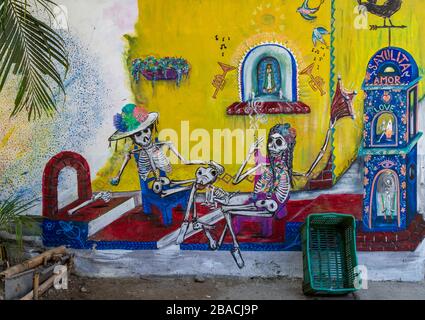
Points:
(32, 50)
(12, 215)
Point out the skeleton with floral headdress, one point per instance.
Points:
(136, 123)
(274, 175)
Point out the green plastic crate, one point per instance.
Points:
(329, 254)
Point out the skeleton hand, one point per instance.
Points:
(167, 143)
(255, 146)
(115, 181)
(128, 155)
(105, 196)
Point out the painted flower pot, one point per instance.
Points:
(169, 74)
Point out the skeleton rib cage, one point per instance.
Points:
(150, 159)
(266, 183)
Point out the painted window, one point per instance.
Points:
(67, 187)
(386, 198)
(413, 100)
(269, 73)
(385, 130)
(412, 172)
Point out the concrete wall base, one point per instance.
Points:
(381, 266)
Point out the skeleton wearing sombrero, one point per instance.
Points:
(136, 123)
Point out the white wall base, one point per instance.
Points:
(381, 266)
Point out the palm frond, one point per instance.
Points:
(33, 50)
(12, 215)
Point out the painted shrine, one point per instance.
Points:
(268, 75)
(390, 141)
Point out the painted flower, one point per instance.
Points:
(156, 66)
(368, 158)
(366, 181)
(140, 114)
(403, 170)
(366, 118)
(403, 210)
(49, 226)
(130, 121)
(403, 185)
(366, 170)
(404, 119)
(128, 108)
(365, 133)
(404, 195)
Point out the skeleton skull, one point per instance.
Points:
(276, 144)
(209, 175)
(388, 185)
(143, 138)
(206, 176)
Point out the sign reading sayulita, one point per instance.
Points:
(391, 67)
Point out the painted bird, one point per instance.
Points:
(386, 10)
(318, 34)
(306, 12)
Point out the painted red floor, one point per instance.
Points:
(297, 212)
(90, 212)
(138, 227)
(340, 203)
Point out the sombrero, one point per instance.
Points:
(131, 120)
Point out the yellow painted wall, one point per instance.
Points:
(187, 28)
(353, 50)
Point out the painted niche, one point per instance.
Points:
(268, 75)
(385, 129)
(387, 199)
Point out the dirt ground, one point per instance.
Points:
(198, 288)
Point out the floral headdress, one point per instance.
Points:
(131, 120)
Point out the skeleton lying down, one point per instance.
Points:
(204, 180)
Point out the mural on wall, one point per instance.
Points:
(390, 140)
(235, 156)
(160, 69)
(385, 11)
(318, 36)
(307, 12)
(220, 79)
(316, 82)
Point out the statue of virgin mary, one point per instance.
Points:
(269, 86)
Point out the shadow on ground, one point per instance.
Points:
(199, 288)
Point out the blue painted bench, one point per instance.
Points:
(164, 205)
